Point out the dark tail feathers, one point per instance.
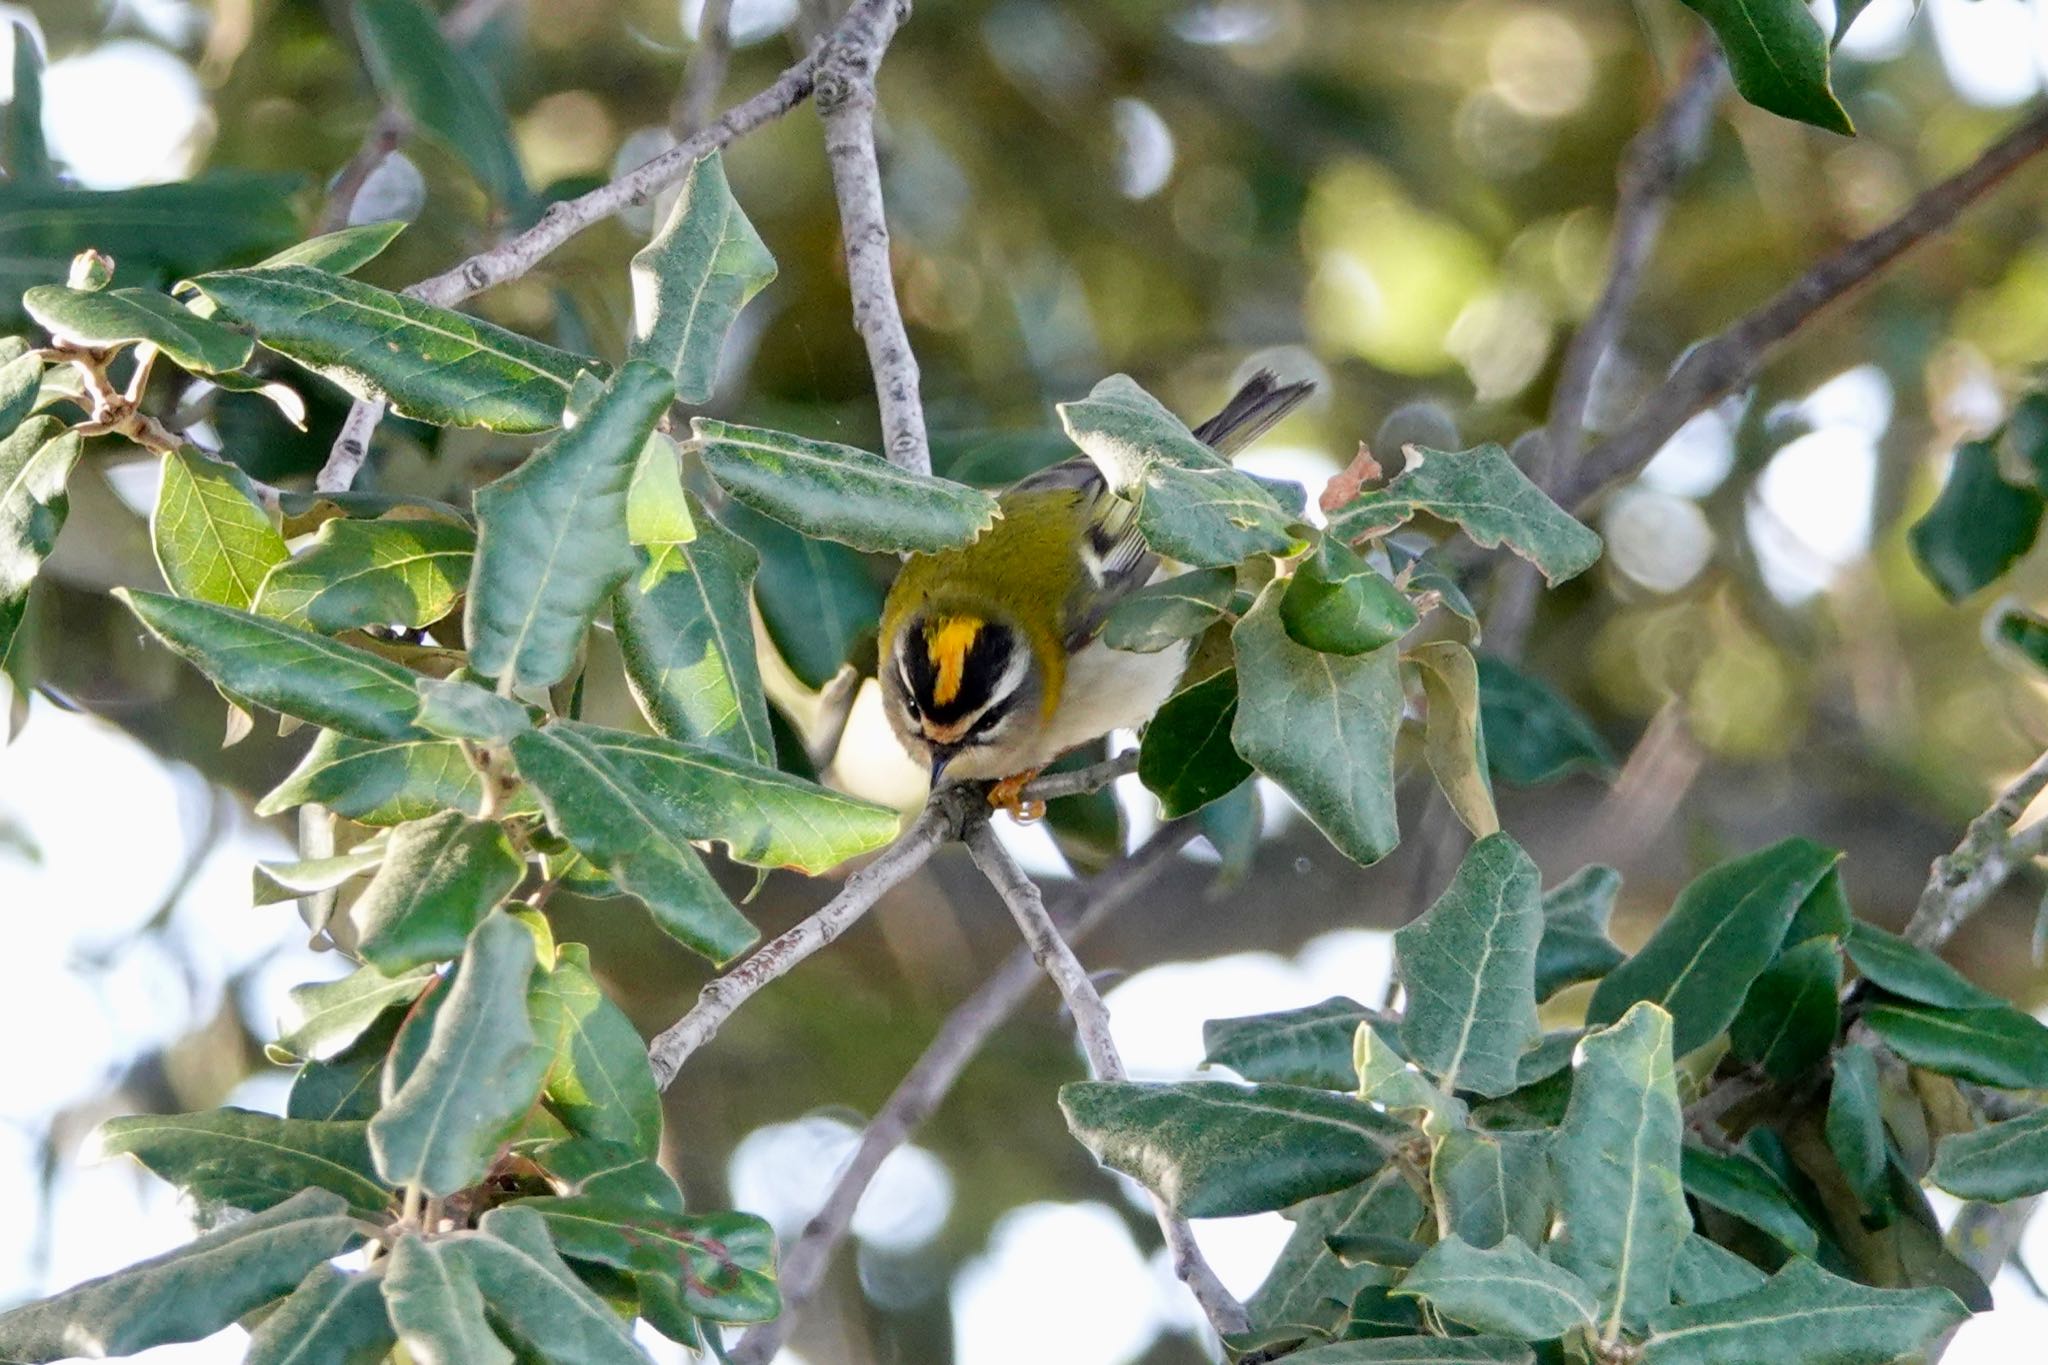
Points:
(1263, 401)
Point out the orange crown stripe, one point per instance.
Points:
(949, 643)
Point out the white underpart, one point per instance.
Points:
(1111, 689)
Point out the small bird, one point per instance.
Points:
(991, 661)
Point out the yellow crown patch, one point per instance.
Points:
(948, 642)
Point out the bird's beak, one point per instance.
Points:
(940, 758)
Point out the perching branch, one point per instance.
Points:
(846, 99)
(720, 997)
(925, 1086)
(1091, 1023)
(1727, 361)
(1082, 781)
(867, 21)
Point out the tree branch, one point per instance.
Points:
(1091, 1023)
(1656, 157)
(1990, 852)
(925, 1086)
(867, 21)
(1081, 781)
(721, 996)
(846, 100)
(1727, 361)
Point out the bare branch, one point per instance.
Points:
(1727, 361)
(846, 100)
(1990, 852)
(721, 996)
(925, 1086)
(1091, 1022)
(1081, 781)
(707, 69)
(351, 446)
(1650, 168)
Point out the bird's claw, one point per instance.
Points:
(1008, 795)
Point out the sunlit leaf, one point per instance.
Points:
(1338, 603)
(723, 1263)
(380, 782)
(540, 1301)
(117, 317)
(441, 877)
(1491, 1187)
(35, 463)
(691, 281)
(250, 1161)
(1309, 1046)
(407, 572)
(1508, 1290)
(1175, 609)
(1453, 742)
(325, 1017)
(212, 541)
(1778, 57)
(436, 1308)
(431, 363)
(598, 1080)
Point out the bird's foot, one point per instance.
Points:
(1008, 795)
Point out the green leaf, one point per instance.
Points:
(379, 782)
(1212, 1150)
(1996, 1163)
(817, 599)
(441, 877)
(211, 540)
(1339, 604)
(273, 883)
(1418, 1351)
(1720, 935)
(1911, 972)
(1575, 946)
(1307, 1278)
(21, 385)
(480, 1075)
(341, 252)
(440, 90)
(430, 363)
(724, 1263)
(1706, 1271)
(22, 148)
(1778, 57)
(1468, 966)
(765, 818)
(1855, 1127)
(688, 642)
(1386, 1079)
(1491, 1186)
(1169, 611)
(1533, 735)
(35, 463)
(551, 536)
(283, 668)
(455, 709)
(325, 1017)
(598, 1081)
(691, 281)
(1485, 494)
(332, 1318)
(1192, 506)
(243, 1160)
(839, 493)
(1745, 1189)
(1807, 1315)
(1507, 1290)
(614, 820)
(537, 1297)
(186, 1294)
(370, 573)
(345, 1086)
(436, 1307)
(159, 233)
(1310, 1046)
(107, 318)
(1453, 742)
(1824, 913)
(1616, 1158)
(659, 511)
(1978, 528)
(1999, 1047)
(1322, 726)
(1789, 1019)
(1186, 759)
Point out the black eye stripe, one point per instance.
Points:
(981, 669)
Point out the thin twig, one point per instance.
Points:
(925, 1086)
(1727, 361)
(1650, 169)
(518, 255)
(1091, 1023)
(846, 101)
(1081, 781)
(1990, 852)
(721, 996)
(351, 447)
(706, 75)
